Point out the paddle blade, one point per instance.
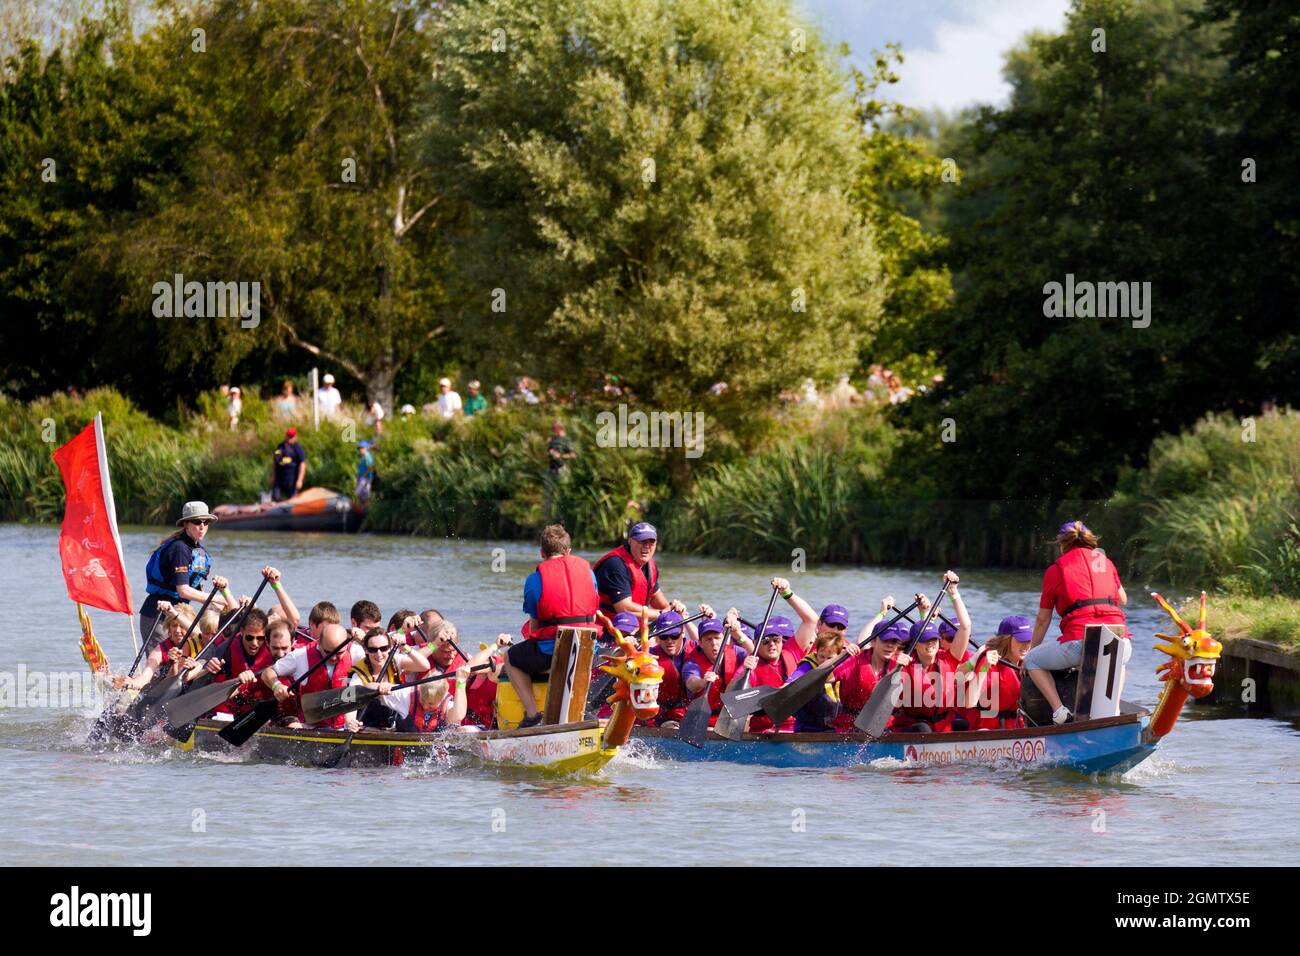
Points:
(238, 731)
(324, 704)
(872, 718)
(694, 726)
(190, 707)
(597, 691)
(782, 705)
(749, 700)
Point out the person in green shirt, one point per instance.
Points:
(476, 402)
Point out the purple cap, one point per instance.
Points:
(835, 614)
(626, 622)
(643, 531)
(779, 626)
(747, 631)
(1069, 526)
(711, 625)
(1018, 626)
(930, 633)
(669, 624)
(946, 629)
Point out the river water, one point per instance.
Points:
(1220, 790)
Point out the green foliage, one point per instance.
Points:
(674, 277)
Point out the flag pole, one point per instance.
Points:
(107, 484)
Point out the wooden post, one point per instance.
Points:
(566, 693)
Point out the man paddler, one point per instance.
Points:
(561, 592)
(1083, 587)
(334, 674)
(628, 578)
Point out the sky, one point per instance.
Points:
(953, 48)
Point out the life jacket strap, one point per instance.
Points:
(1088, 602)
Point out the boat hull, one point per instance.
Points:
(1109, 745)
(317, 509)
(562, 748)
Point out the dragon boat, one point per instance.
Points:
(315, 509)
(564, 743)
(1094, 745)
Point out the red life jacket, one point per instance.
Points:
(421, 721)
(332, 675)
(772, 674)
(480, 700)
(920, 685)
(239, 662)
(1004, 688)
(643, 584)
(568, 595)
(672, 690)
(856, 684)
(1090, 597)
(728, 672)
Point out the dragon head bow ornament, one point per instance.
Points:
(637, 677)
(1189, 672)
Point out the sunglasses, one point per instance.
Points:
(772, 639)
(202, 522)
(254, 637)
(835, 627)
(376, 650)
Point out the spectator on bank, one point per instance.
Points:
(610, 386)
(328, 397)
(877, 382)
(449, 403)
(808, 396)
(843, 395)
(559, 449)
(375, 418)
(286, 403)
(499, 397)
(289, 467)
(524, 392)
(475, 403)
(407, 410)
(234, 406)
(365, 471)
(898, 392)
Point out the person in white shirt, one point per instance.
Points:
(234, 407)
(328, 397)
(375, 418)
(449, 403)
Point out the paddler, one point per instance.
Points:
(242, 659)
(858, 675)
(833, 618)
(929, 685)
(179, 566)
(297, 662)
(628, 578)
(771, 665)
(698, 674)
(173, 654)
(443, 657)
(672, 648)
(819, 714)
(381, 668)
(285, 608)
(560, 592)
(1084, 588)
(995, 694)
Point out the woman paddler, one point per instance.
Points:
(673, 646)
(994, 693)
(771, 665)
(1083, 587)
(698, 674)
(929, 685)
(179, 566)
(818, 715)
(173, 654)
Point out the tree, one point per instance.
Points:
(658, 189)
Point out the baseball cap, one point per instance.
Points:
(643, 531)
(328, 379)
(291, 433)
(929, 633)
(669, 624)
(1069, 527)
(444, 381)
(626, 622)
(946, 629)
(780, 626)
(711, 625)
(1018, 626)
(835, 614)
(363, 444)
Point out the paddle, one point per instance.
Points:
(728, 726)
(240, 730)
(173, 685)
(875, 713)
(147, 646)
(343, 758)
(113, 716)
(600, 686)
(324, 704)
(694, 726)
(782, 702)
(191, 706)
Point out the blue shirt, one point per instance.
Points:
(533, 592)
(366, 466)
(288, 456)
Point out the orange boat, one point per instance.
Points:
(314, 509)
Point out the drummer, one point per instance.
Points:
(1083, 587)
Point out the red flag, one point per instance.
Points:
(89, 548)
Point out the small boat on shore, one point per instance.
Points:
(315, 509)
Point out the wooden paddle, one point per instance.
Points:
(784, 701)
(600, 686)
(875, 713)
(242, 728)
(159, 685)
(191, 706)
(173, 685)
(324, 704)
(728, 726)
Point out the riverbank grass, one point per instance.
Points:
(1275, 620)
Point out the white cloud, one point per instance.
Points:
(963, 63)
